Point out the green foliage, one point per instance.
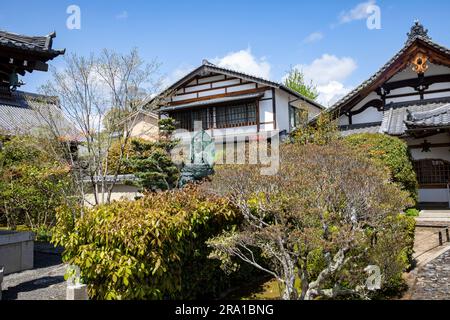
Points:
(152, 248)
(152, 163)
(412, 212)
(390, 152)
(321, 132)
(32, 184)
(118, 162)
(393, 251)
(295, 80)
(329, 211)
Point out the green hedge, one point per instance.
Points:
(153, 248)
(391, 152)
(397, 236)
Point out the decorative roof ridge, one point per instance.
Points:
(417, 30)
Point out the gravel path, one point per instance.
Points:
(44, 282)
(433, 280)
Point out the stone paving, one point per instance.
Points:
(433, 280)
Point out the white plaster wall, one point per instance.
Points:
(282, 110)
(212, 78)
(433, 195)
(369, 115)
(120, 192)
(243, 87)
(343, 120)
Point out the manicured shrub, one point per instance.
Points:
(152, 248)
(32, 184)
(330, 212)
(391, 152)
(397, 237)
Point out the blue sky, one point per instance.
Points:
(328, 39)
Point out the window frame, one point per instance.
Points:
(244, 118)
(432, 172)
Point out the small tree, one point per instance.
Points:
(152, 163)
(295, 80)
(96, 93)
(324, 208)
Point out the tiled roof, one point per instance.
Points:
(399, 117)
(413, 36)
(37, 44)
(373, 127)
(23, 113)
(437, 117)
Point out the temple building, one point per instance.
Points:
(409, 97)
(22, 112)
(229, 103)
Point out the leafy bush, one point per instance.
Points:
(328, 214)
(391, 152)
(32, 184)
(322, 131)
(397, 236)
(412, 212)
(152, 248)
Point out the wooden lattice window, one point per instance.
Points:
(221, 116)
(432, 171)
(186, 119)
(236, 116)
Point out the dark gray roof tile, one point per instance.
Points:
(399, 117)
(373, 127)
(24, 113)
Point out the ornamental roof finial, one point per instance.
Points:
(417, 30)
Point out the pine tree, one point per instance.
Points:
(151, 161)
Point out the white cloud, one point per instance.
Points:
(244, 61)
(328, 73)
(357, 13)
(332, 92)
(314, 37)
(176, 75)
(122, 16)
(328, 68)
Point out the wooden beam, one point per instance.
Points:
(274, 109)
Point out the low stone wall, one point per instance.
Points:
(16, 251)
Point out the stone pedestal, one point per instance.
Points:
(77, 292)
(194, 172)
(16, 251)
